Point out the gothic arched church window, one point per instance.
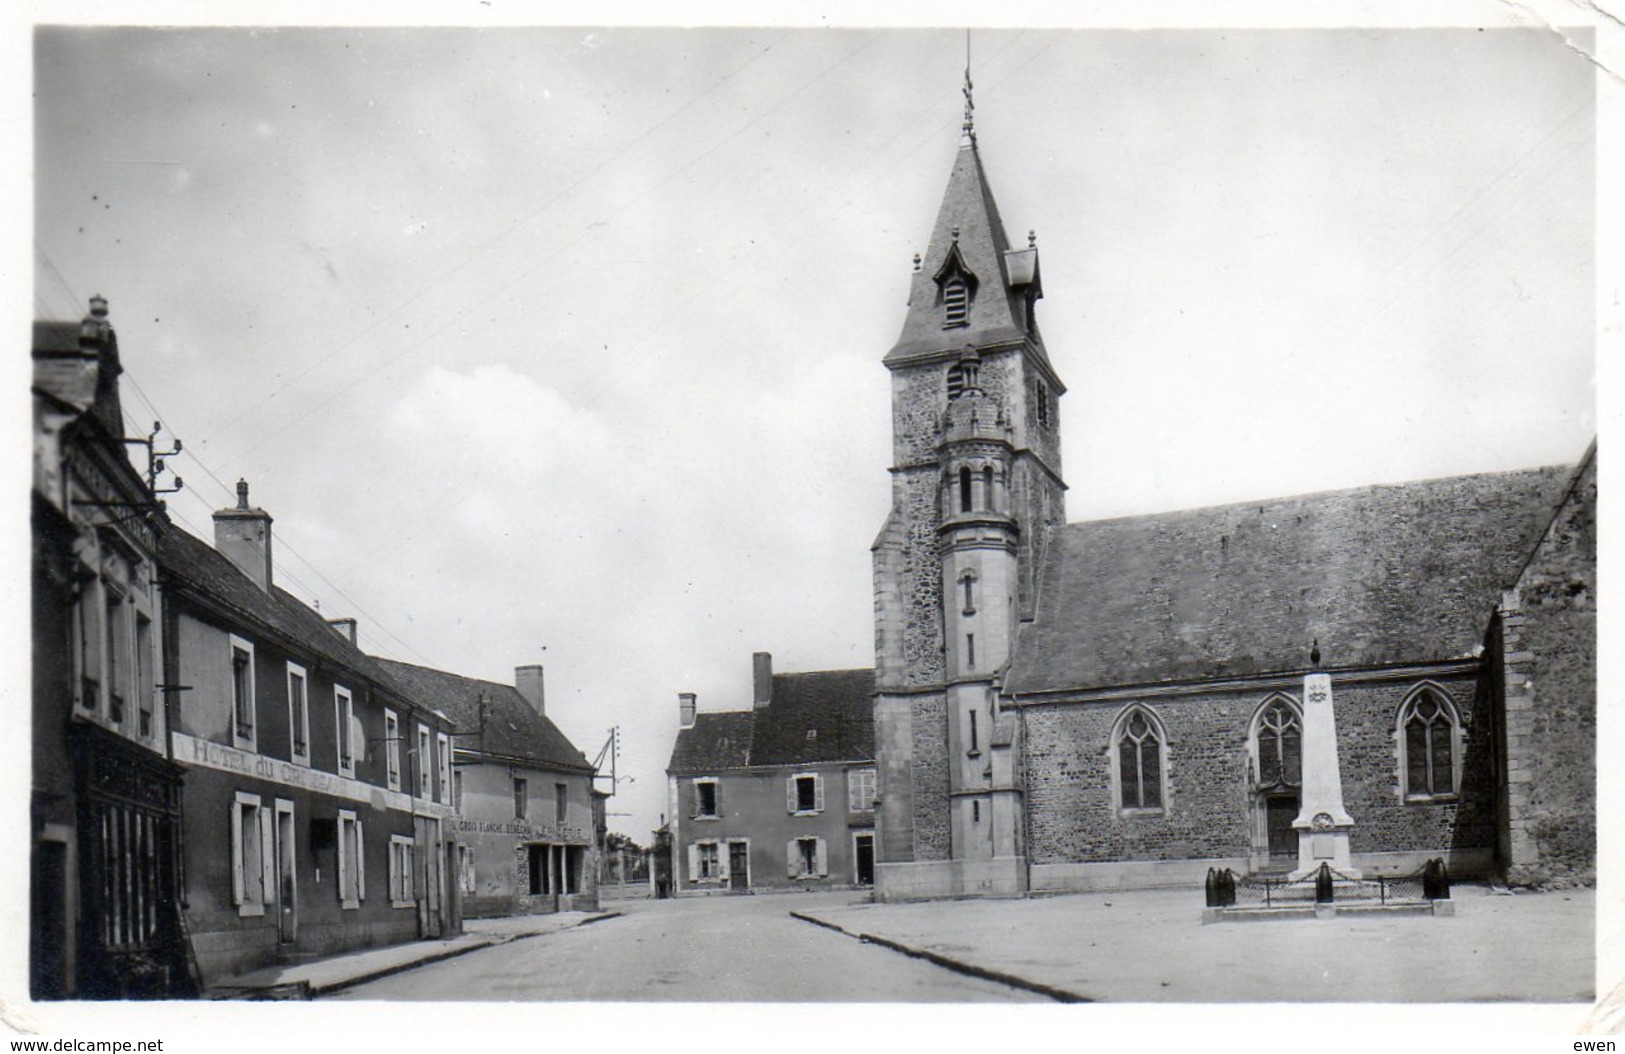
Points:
(1430, 745)
(1279, 738)
(1137, 753)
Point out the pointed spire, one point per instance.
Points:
(967, 130)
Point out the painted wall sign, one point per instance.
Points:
(202, 753)
(562, 832)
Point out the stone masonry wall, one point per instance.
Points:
(1549, 640)
(1209, 810)
(932, 838)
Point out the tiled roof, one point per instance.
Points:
(204, 569)
(512, 727)
(815, 717)
(997, 315)
(63, 369)
(1379, 575)
(836, 706)
(716, 741)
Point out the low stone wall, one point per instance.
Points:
(1004, 876)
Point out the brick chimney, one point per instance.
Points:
(762, 677)
(687, 703)
(528, 680)
(243, 536)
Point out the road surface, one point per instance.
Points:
(708, 949)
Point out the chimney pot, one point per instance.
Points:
(762, 679)
(243, 536)
(687, 705)
(528, 681)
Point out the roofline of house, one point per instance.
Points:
(764, 769)
(475, 756)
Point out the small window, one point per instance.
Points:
(970, 651)
(344, 726)
(861, 790)
(956, 382)
(705, 799)
(298, 715)
(976, 810)
(807, 856)
(352, 861)
(955, 302)
(425, 756)
(521, 799)
(401, 893)
(710, 865)
(561, 802)
(964, 490)
(242, 693)
(443, 767)
(250, 855)
(805, 794)
(969, 584)
(975, 747)
(392, 750)
(143, 676)
(1041, 402)
(1430, 741)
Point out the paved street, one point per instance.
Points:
(698, 949)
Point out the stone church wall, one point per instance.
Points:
(1210, 812)
(1550, 646)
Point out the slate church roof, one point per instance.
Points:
(513, 729)
(812, 718)
(1379, 575)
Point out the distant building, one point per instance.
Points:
(527, 812)
(1123, 702)
(104, 810)
(318, 792)
(780, 796)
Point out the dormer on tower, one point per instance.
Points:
(956, 287)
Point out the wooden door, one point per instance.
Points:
(1280, 811)
(738, 865)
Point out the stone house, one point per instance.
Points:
(780, 796)
(526, 809)
(318, 792)
(1121, 702)
(104, 807)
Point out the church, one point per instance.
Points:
(1121, 703)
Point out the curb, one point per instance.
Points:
(307, 990)
(1060, 995)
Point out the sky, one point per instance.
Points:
(562, 345)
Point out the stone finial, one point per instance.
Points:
(1032, 239)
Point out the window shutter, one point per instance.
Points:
(722, 861)
(822, 859)
(360, 864)
(693, 800)
(693, 861)
(716, 798)
(790, 794)
(268, 876)
(818, 793)
(237, 891)
(792, 859)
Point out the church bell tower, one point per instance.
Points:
(976, 483)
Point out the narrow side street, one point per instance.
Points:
(716, 949)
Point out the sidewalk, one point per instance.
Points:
(306, 980)
(1150, 946)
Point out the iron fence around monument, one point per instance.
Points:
(1327, 885)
